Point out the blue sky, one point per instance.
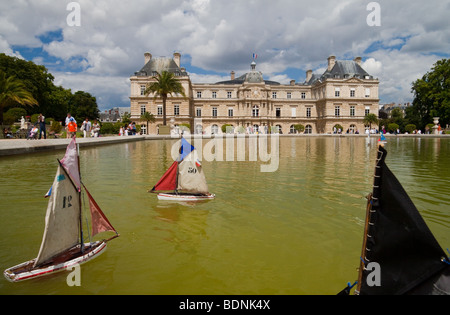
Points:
(216, 37)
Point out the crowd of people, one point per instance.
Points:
(89, 129)
(129, 130)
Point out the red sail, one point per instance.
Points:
(99, 221)
(169, 180)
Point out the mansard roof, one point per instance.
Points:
(160, 64)
(342, 69)
(346, 68)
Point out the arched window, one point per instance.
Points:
(352, 128)
(199, 129)
(308, 129)
(291, 129)
(214, 129)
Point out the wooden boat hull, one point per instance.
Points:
(72, 257)
(183, 197)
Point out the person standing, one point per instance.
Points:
(41, 121)
(95, 129)
(86, 127)
(68, 120)
(72, 127)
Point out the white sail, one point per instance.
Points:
(62, 219)
(190, 175)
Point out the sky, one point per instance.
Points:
(95, 46)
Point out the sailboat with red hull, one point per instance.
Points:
(184, 180)
(63, 245)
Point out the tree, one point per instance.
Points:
(83, 105)
(370, 119)
(148, 117)
(299, 128)
(432, 95)
(13, 91)
(166, 84)
(36, 78)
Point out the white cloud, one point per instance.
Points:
(220, 36)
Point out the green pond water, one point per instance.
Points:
(294, 231)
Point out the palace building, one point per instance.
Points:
(339, 98)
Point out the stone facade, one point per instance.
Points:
(341, 96)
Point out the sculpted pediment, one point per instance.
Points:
(354, 80)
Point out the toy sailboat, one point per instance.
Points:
(184, 180)
(63, 245)
(397, 239)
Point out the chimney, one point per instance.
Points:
(308, 75)
(232, 75)
(148, 57)
(358, 60)
(176, 58)
(331, 62)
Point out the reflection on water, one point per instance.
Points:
(294, 231)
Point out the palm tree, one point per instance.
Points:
(148, 117)
(13, 91)
(166, 84)
(370, 119)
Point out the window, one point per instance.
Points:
(278, 112)
(352, 110)
(367, 92)
(308, 112)
(352, 92)
(255, 111)
(274, 94)
(289, 95)
(214, 129)
(142, 110)
(228, 94)
(214, 111)
(199, 94)
(199, 129)
(293, 112)
(159, 110)
(337, 92)
(230, 112)
(352, 129)
(367, 111)
(142, 90)
(303, 95)
(337, 111)
(308, 129)
(143, 129)
(292, 129)
(214, 94)
(198, 112)
(176, 110)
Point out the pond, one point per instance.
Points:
(295, 230)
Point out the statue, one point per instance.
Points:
(22, 123)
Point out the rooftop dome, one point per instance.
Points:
(251, 77)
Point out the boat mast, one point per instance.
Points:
(178, 167)
(372, 206)
(79, 201)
